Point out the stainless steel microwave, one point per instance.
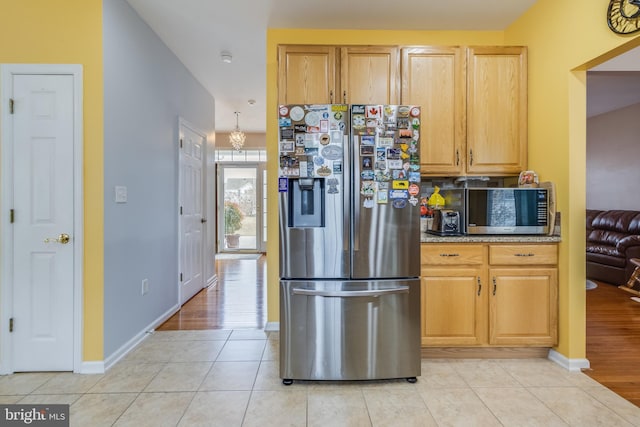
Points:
(507, 211)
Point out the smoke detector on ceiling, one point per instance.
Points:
(226, 57)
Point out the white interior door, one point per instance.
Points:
(43, 223)
(192, 220)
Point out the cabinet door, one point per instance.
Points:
(306, 74)
(523, 306)
(453, 306)
(369, 75)
(434, 79)
(497, 110)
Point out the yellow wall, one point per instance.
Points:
(70, 32)
(563, 41)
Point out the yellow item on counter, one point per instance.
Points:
(436, 200)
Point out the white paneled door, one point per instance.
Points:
(192, 219)
(43, 223)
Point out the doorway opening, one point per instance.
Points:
(241, 201)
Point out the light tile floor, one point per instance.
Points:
(230, 378)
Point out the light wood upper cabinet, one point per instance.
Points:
(434, 79)
(369, 75)
(307, 75)
(496, 110)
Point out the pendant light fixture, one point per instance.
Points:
(237, 137)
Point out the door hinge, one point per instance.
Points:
(11, 325)
(11, 104)
(12, 216)
(181, 277)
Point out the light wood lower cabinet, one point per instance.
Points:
(489, 295)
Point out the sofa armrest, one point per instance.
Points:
(627, 242)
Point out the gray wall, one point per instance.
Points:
(146, 90)
(613, 150)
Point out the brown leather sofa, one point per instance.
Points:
(613, 238)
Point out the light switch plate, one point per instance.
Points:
(121, 194)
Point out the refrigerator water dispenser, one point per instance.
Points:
(306, 202)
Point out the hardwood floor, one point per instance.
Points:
(613, 340)
(613, 321)
(237, 301)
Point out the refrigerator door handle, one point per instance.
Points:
(351, 294)
(355, 220)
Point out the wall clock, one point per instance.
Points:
(623, 16)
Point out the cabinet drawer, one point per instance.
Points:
(452, 254)
(523, 254)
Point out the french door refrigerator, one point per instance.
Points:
(349, 183)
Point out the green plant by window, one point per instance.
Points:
(232, 218)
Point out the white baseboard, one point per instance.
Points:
(272, 327)
(138, 338)
(95, 367)
(573, 365)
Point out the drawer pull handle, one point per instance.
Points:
(479, 286)
(529, 254)
(446, 255)
(494, 286)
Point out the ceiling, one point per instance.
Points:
(199, 31)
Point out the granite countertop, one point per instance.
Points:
(430, 238)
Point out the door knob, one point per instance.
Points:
(63, 239)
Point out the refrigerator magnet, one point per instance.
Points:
(380, 165)
(336, 136)
(367, 203)
(358, 121)
(383, 186)
(283, 184)
(393, 153)
(324, 126)
(366, 150)
(333, 186)
(415, 112)
(332, 152)
(286, 147)
(414, 189)
(368, 140)
(394, 164)
(414, 167)
(296, 114)
(405, 133)
(312, 119)
(399, 203)
(399, 174)
(373, 111)
(286, 133)
(367, 175)
(415, 123)
(403, 124)
(400, 185)
(403, 111)
(383, 176)
(300, 139)
(323, 171)
(367, 163)
(413, 201)
(304, 170)
(398, 194)
(283, 110)
(414, 177)
(337, 167)
(381, 154)
(404, 147)
(385, 142)
(284, 122)
(367, 188)
(382, 197)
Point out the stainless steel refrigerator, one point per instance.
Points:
(349, 242)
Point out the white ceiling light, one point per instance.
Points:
(226, 57)
(237, 137)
